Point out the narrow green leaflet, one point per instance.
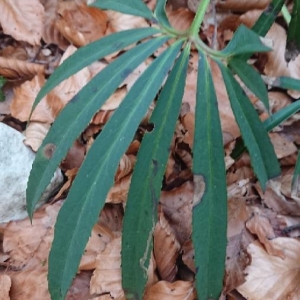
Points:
(2, 82)
(244, 41)
(141, 207)
(96, 175)
(77, 114)
(160, 14)
(130, 7)
(296, 172)
(251, 78)
(293, 37)
(273, 121)
(265, 21)
(86, 55)
(267, 18)
(287, 83)
(263, 157)
(210, 211)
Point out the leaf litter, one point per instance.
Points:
(263, 249)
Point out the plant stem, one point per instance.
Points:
(286, 14)
(194, 29)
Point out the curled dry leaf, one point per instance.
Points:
(177, 207)
(276, 278)
(166, 249)
(111, 216)
(5, 284)
(71, 176)
(19, 69)
(81, 24)
(24, 96)
(23, 20)
(242, 6)
(119, 191)
(35, 134)
(51, 35)
(177, 290)
(188, 255)
(126, 165)
(274, 196)
(107, 275)
(260, 225)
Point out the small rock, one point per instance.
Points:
(15, 165)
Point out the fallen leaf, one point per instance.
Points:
(271, 277)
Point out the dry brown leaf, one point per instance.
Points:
(241, 6)
(289, 225)
(279, 197)
(24, 96)
(181, 19)
(166, 249)
(71, 176)
(177, 207)
(276, 64)
(5, 284)
(35, 134)
(115, 99)
(74, 157)
(67, 89)
(261, 226)
(111, 216)
(271, 277)
(283, 147)
(177, 290)
(19, 69)
(119, 191)
(107, 275)
(126, 165)
(22, 239)
(119, 22)
(81, 24)
(51, 35)
(98, 240)
(188, 255)
(29, 284)
(23, 20)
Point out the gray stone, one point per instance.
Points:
(15, 164)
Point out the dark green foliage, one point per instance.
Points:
(96, 175)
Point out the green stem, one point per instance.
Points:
(286, 14)
(194, 29)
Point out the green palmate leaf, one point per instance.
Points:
(293, 37)
(132, 7)
(160, 14)
(273, 121)
(96, 175)
(287, 83)
(141, 207)
(210, 212)
(78, 113)
(251, 78)
(263, 157)
(86, 55)
(244, 41)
